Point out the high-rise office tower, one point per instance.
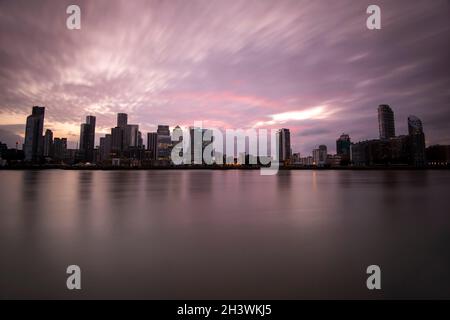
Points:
(343, 146)
(125, 136)
(121, 135)
(140, 140)
(130, 136)
(164, 142)
(117, 140)
(87, 139)
(284, 145)
(417, 141)
(122, 120)
(195, 146)
(386, 122)
(60, 148)
(105, 147)
(48, 143)
(34, 142)
(414, 125)
(323, 153)
(320, 155)
(163, 130)
(152, 144)
(316, 156)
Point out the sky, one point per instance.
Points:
(310, 66)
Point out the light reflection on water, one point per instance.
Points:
(224, 234)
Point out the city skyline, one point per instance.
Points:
(125, 142)
(88, 129)
(122, 121)
(308, 66)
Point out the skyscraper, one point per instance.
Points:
(122, 120)
(414, 125)
(320, 156)
(121, 135)
(152, 144)
(386, 123)
(130, 136)
(164, 142)
(34, 142)
(48, 143)
(417, 141)
(60, 148)
(343, 145)
(105, 147)
(87, 139)
(140, 140)
(284, 145)
(195, 146)
(124, 137)
(117, 140)
(163, 130)
(343, 148)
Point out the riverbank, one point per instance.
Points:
(212, 167)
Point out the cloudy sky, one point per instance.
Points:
(311, 66)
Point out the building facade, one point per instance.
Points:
(48, 143)
(386, 122)
(87, 139)
(60, 149)
(438, 155)
(152, 145)
(34, 142)
(164, 142)
(417, 141)
(320, 156)
(284, 145)
(394, 151)
(122, 120)
(343, 148)
(117, 140)
(105, 148)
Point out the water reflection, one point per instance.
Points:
(225, 234)
(85, 185)
(31, 187)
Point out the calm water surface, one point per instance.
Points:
(224, 234)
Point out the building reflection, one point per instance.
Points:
(85, 185)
